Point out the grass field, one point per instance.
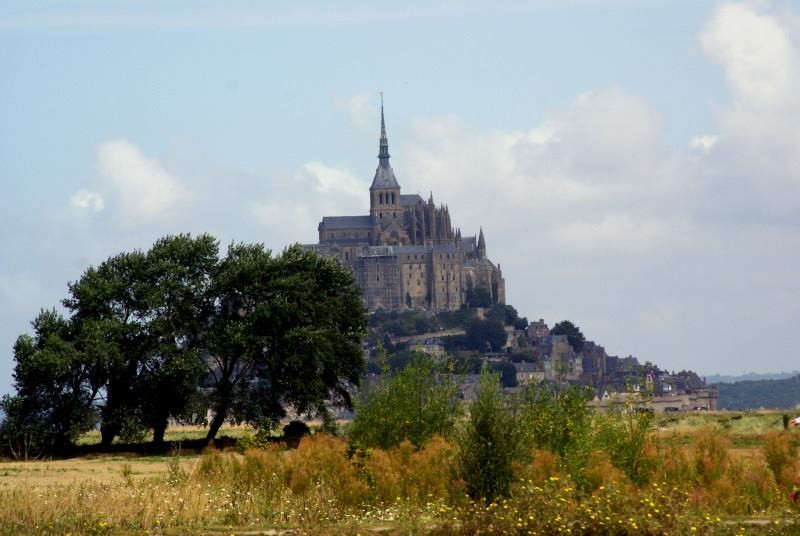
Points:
(713, 473)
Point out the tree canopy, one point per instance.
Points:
(573, 333)
(176, 331)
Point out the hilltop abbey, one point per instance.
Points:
(406, 254)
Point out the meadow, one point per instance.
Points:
(706, 473)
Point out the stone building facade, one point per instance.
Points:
(406, 254)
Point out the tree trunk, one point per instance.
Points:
(217, 422)
(107, 434)
(158, 431)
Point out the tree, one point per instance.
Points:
(285, 331)
(507, 371)
(149, 309)
(416, 403)
(490, 443)
(557, 419)
(57, 383)
(144, 327)
(110, 301)
(179, 272)
(478, 297)
(483, 335)
(573, 333)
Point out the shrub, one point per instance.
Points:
(780, 453)
(419, 475)
(710, 451)
(295, 430)
(490, 443)
(415, 404)
(556, 420)
(626, 435)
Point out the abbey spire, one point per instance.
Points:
(383, 152)
(384, 175)
(384, 194)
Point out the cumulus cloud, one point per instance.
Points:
(754, 167)
(331, 180)
(755, 51)
(141, 188)
(131, 189)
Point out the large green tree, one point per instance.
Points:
(150, 309)
(150, 332)
(285, 332)
(57, 381)
(178, 278)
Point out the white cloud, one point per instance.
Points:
(84, 199)
(328, 180)
(755, 51)
(753, 170)
(139, 187)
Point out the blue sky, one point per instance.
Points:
(634, 164)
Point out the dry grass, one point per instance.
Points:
(102, 470)
(321, 487)
(182, 432)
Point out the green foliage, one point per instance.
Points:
(142, 317)
(478, 297)
(416, 403)
(573, 333)
(784, 393)
(490, 442)
(286, 331)
(507, 371)
(506, 315)
(485, 335)
(57, 383)
(146, 329)
(625, 433)
(557, 420)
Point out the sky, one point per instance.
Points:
(635, 165)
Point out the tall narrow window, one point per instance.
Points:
(380, 197)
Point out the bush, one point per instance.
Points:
(294, 431)
(556, 419)
(490, 443)
(626, 435)
(419, 475)
(415, 404)
(780, 454)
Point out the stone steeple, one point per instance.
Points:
(384, 194)
(481, 245)
(384, 175)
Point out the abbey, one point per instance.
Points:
(405, 254)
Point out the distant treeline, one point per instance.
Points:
(750, 376)
(781, 394)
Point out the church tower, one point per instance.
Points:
(384, 194)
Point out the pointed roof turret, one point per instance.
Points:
(384, 175)
(481, 245)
